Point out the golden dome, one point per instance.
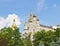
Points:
(14, 25)
(37, 19)
(31, 18)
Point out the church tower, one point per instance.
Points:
(34, 16)
(31, 18)
(14, 24)
(32, 25)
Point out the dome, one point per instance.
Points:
(34, 15)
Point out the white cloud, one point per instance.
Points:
(54, 27)
(40, 4)
(2, 22)
(9, 20)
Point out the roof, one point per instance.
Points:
(46, 26)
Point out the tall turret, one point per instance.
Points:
(14, 24)
(34, 15)
(35, 18)
(31, 18)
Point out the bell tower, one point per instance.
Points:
(14, 24)
(31, 18)
(34, 18)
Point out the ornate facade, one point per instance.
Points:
(33, 25)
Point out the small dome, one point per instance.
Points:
(37, 19)
(34, 15)
(14, 25)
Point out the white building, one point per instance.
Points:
(33, 25)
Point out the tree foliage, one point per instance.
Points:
(57, 32)
(46, 37)
(11, 37)
(27, 40)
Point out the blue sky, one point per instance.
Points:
(48, 11)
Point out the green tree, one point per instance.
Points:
(27, 40)
(39, 36)
(13, 37)
(45, 36)
(57, 32)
